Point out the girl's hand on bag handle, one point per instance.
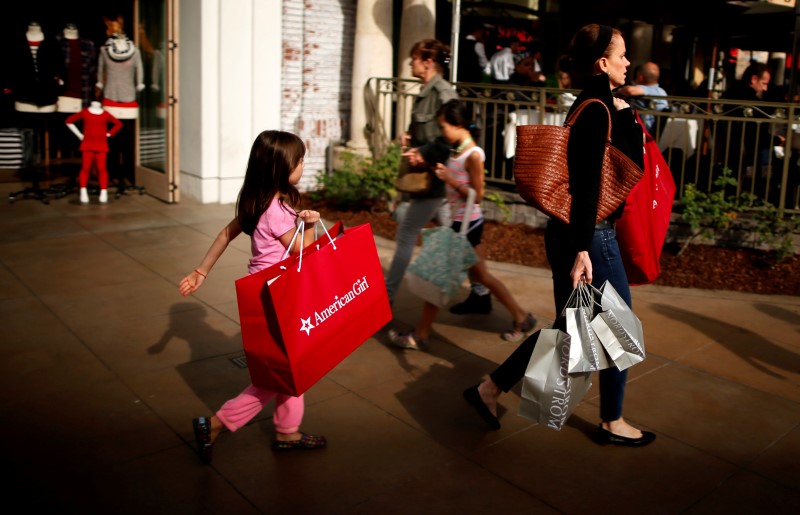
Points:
(405, 139)
(309, 216)
(582, 269)
(191, 282)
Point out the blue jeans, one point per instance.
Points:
(606, 265)
(420, 211)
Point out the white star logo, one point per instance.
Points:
(307, 326)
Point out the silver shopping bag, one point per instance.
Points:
(586, 354)
(618, 328)
(549, 392)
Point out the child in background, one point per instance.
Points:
(264, 212)
(465, 170)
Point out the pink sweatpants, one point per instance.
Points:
(241, 409)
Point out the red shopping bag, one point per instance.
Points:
(643, 226)
(301, 317)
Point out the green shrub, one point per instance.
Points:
(360, 183)
(499, 200)
(709, 214)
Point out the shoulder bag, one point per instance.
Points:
(644, 223)
(413, 179)
(542, 175)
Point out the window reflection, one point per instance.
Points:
(152, 119)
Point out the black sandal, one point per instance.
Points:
(202, 438)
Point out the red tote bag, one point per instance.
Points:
(643, 226)
(301, 317)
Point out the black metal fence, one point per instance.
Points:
(758, 141)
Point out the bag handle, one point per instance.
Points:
(574, 116)
(468, 210)
(301, 227)
(581, 297)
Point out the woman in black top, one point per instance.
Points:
(585, 251)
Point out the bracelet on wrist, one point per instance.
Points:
(200, 273)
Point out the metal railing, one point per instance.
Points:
(758, 141)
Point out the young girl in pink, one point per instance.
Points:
(465, 171)
(263, 212)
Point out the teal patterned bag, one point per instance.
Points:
(441, 266)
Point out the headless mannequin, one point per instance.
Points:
(120, 76)
(94, 146)
(35, 37)
(80, 73)
(71, 103)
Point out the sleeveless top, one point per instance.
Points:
(461, 176)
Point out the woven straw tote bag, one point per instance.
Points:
(542, 176)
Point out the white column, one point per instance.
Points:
(372, 57)
(418, 22)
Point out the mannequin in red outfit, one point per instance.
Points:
(94, 146)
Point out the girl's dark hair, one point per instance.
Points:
(456, 113)
(433, 49)
(589, 44)
(273, 158)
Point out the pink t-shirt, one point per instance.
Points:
(265, 245)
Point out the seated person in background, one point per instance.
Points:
(646, 84)
(528, 72)
(758, 141)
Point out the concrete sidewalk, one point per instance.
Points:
(104, 365)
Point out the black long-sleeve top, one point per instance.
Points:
(585, 156)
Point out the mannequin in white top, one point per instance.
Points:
(34, 32)
(35, 37)
(71, 32)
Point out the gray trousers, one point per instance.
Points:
(420, 211)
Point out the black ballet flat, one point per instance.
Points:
(608, 438)
(473, 398)
(202, 438)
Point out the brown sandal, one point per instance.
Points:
(306, 442)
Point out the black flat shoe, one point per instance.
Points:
(473, 398)
(202, 438)
(608, 438)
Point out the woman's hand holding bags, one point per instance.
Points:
(559, 371)
(586, 354)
